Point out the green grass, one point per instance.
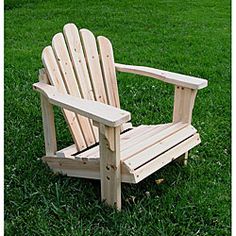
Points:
(191, 37)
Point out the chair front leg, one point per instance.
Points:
(183, 106)
(110, 170)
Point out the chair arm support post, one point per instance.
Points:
(184, 99)
(110, 167)
(48, 119)
(183, 107)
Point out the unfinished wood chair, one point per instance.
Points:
(79, 75)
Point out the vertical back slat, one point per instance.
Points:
(108, 69)
(77, 57)
(65, 65)
(75, 66)
(56, 80)
(78, 60)
(93, 64)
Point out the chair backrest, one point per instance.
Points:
(82, 66)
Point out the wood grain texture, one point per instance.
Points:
(55, 77)
(48, 119)
(80, 67)
(184, 99)
(73, 167)
(82, 74)
(183, 104)
(127, 140)
(66, 67)
(93, 64)
(110, 169)
(109, 72)
(166, 157)
(156, 148)
(100, 112)
(166, 76)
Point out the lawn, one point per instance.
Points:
(190, 37)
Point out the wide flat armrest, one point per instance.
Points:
(166, 76)
(99, 112)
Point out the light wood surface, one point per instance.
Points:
(110, 170)
(93, 64)
(89, 167)
(166, 76)
(102, 113)
(184, 99)
(48, 119)
(66, 68)
(136, 136)
(74, 167)
(156, 148)
(165, 158)
(80, 67)
(183, 104)
(143, 143)
(109, 72)
(56, 79)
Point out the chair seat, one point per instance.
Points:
(143, 150)
(145, 142)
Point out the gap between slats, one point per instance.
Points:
(55, 77)
(68, 74)
(76, 53)
(151, 140)
(159, 147)
(127, 139)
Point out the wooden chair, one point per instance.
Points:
(79, 76)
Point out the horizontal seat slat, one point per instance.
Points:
(94, 152)
(166, 157)
(160, 147)
(139, 137)
(142, 144)
(127, 139)
(149, 140)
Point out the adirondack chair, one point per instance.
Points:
(79, 76)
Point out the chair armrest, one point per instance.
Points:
(166, 76)
(99, 112)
